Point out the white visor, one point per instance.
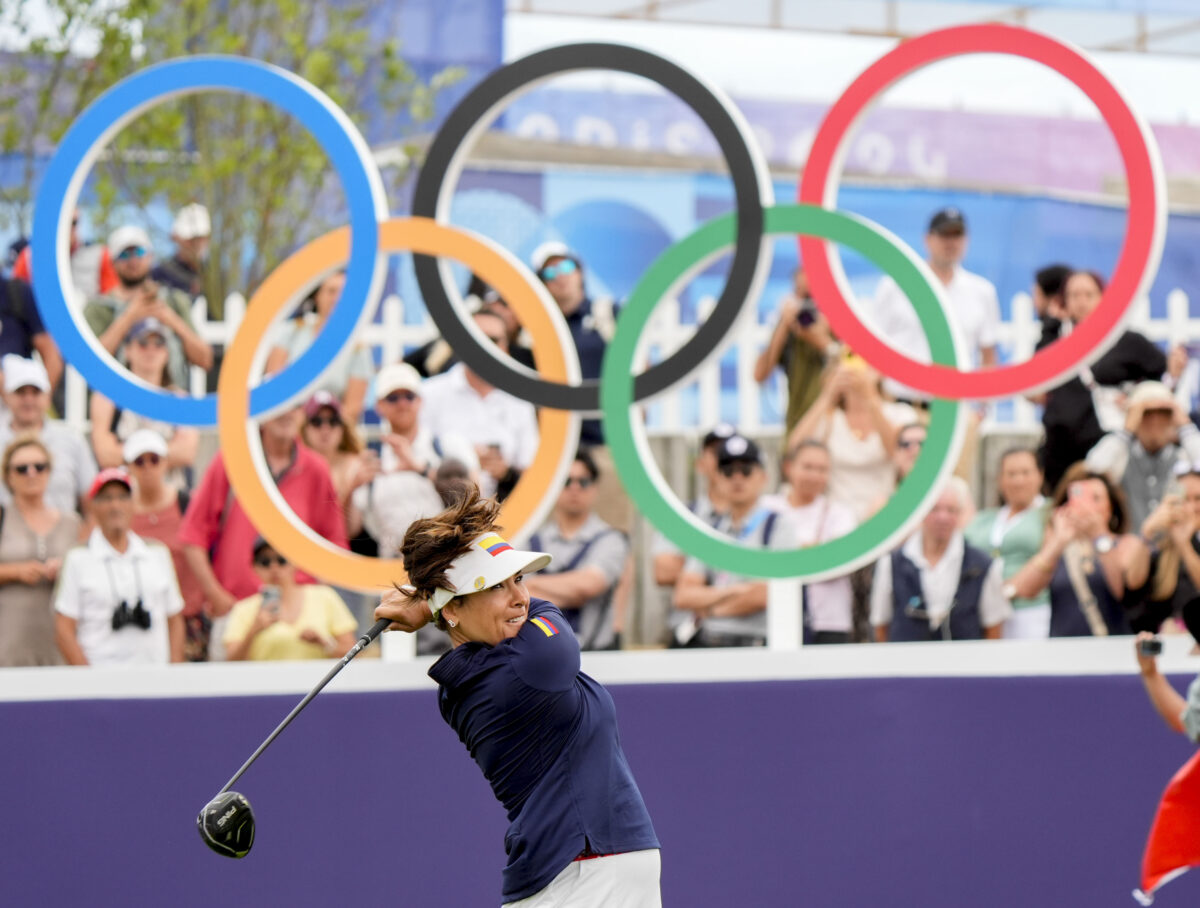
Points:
(491, 560)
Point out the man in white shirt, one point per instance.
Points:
(973, 303)
(936, 586)
(408, 460)
(118, 599)
(502, 428)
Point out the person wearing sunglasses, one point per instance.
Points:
(118, 599)
(589, 559)
(350, 375)
(34, 537)
(285, 619)
(158, 509)
(936, 586)
(137, 297)
(726, 609)
(592, 323)
(218, 537)
(146, 356)
(27, 393)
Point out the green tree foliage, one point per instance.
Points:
(266, 182)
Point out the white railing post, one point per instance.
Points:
(785, 632)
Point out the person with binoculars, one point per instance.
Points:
(118, 599)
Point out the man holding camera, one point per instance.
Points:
(798, 345)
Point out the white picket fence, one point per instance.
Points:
(665, 333)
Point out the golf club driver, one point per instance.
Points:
(226, 823)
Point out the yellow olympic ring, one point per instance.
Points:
(241, 447)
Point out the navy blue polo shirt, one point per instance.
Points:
(545, 736)
(19, 318)
(590, 344)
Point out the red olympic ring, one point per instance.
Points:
(1140, 253)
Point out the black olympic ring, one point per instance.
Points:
(475, 112)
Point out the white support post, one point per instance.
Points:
(398, 647)
(784, 623)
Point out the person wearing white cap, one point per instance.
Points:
(503, 429)
(352, 368)
(190, 233)
(511, 687)
(138, 297)
(158, 509)
(1143, 456)
(27, 393)
(408, 461)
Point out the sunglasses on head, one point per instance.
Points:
(133, 252)
(145, 460)
(397, 396)
(321, 422)
(26, 468)
(266, 561)
(738, 467)
(584, 482)
(550, 272)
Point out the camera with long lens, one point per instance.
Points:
(137, 616)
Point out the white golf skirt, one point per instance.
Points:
(629, 880)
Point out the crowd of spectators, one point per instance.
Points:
(134, 548)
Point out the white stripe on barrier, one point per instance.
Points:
(1001, 658)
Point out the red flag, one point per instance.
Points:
(1174, 843)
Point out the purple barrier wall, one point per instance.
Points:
(942, 793)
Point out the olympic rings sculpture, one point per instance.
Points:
(556, 385)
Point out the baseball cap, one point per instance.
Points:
(489, 561)
(190, 222)
(148, 326)
(397, 377)
(547, 251)
(104, 477)
(319, 401)
(124, 237)
(20, 372)
(738, 449)
(948, 220)
(144, 441)
(1152, 395)
(719, 432)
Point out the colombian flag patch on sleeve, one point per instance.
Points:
(547, 628)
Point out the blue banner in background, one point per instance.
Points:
(620, 222)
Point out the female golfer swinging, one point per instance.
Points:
(543, 732)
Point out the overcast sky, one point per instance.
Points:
(773, 64)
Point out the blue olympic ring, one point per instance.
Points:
(339, 138)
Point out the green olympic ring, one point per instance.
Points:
(627, 437)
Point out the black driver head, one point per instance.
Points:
(227, 825)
